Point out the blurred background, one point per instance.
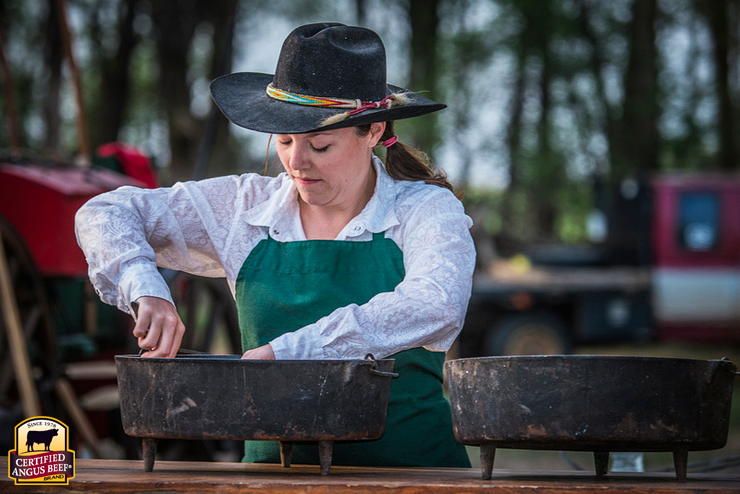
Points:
(596, 144)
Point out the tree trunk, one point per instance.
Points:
(175, 22)
(549, 176)
(361, 11)
(216, 154)
(53, 59)
(639, 141)
(509, 216)
(718, 16)
(597, 61)
(424, 16)
(115, 81)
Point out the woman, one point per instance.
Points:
(340, 256)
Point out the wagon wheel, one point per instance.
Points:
(36, 324)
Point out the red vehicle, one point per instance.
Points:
(696, 270)
(70, 335)
(664, 264)
(60, 318)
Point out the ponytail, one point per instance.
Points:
(404, 162)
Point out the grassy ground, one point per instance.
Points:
(526, 460)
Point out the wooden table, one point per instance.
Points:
(119, 476)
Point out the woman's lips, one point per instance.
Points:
(306, 181)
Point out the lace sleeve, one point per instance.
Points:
(125, 234)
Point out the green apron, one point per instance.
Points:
(283, 286)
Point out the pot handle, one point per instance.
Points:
(377, 372)
(725, 359)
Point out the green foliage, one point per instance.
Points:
(489, 202)
(576, 202)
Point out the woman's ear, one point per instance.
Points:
(376, 132)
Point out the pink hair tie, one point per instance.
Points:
(390, 142)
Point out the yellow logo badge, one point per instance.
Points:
(42, 454)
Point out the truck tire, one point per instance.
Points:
(528, 334)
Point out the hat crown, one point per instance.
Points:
(333, 60)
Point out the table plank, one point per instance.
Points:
(125, 476)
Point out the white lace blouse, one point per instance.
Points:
(209, 227)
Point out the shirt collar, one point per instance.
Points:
(380, 212)
(280, 213)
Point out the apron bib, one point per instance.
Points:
(283, 286)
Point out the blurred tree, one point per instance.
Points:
(53, 59)
(556, 92)
(536, 164)
(361, 11)
(722, 18)
(19, 27)
(466, 49)
(114, 69)
(511, 215)
(596, 30)
(637, 144)
(175, 23)
(424, 22)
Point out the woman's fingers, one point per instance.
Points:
(263, 352)
(158, 328)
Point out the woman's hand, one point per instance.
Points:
(263, 352)
(158, 327)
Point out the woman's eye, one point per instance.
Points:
(320, 150)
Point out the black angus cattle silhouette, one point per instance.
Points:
(41, 437)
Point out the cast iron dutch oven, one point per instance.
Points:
(591, 403)
(224, 397)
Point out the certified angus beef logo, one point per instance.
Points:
(42, 454)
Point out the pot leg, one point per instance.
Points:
(487, 455)
(326, 451)
(149, 451)
(680, 461)
(286, 453)
(601, 462)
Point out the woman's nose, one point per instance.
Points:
(299, 158)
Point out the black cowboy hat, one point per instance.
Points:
(328, 76)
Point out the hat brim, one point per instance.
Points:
(242, 98)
